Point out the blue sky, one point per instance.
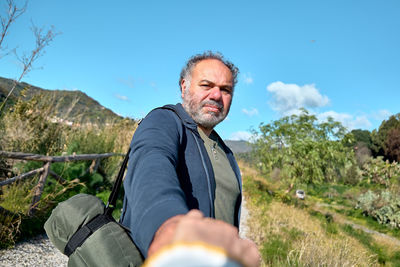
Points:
(336, 58)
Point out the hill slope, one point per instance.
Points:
(238, 146)
(73, 106)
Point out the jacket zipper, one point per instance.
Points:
(207, 175)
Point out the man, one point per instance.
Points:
(179, 163)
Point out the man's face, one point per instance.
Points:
(207, 96)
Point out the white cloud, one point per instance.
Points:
(241, 135)
(381, 115)
(288, 98)
(250, 112)
(247, 78)
(122, 97)
(361, 122)
(347, 120)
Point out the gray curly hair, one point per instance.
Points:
(186, 72)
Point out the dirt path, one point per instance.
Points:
(244, 215)
(322, 207)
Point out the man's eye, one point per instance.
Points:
(226, 90)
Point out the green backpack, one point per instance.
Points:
(83, 229)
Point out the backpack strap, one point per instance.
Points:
(112, 200)
(80, 236)
(85, 231)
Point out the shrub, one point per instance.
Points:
(383, 206)
(15, 202)
(26, 128)
(9, 227)
(378, 171)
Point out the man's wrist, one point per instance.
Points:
(164, 234)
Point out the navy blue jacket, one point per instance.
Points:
(169, 173)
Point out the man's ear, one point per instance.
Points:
(184, 85)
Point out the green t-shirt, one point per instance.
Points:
(227, 186)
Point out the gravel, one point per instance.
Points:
(37, 251)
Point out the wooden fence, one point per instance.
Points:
(45, 171)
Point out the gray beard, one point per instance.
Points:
(207, 121)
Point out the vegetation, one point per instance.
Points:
(49, 123)
(43, 38)
(299, 149)
(362, 138)
(292, 234)
(350, 216)
(26, 127)
(386, 140)
(69, 107)
(383, 206)
(322, 230)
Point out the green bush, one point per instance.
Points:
(9, 228)
(26, 128)
(383, 206)
(378, 171)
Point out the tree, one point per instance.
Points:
(303, 149)
(42, 39)
(379, 137)
(392, 145)
(362, 136)
(13, 12)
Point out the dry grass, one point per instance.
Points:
(289, 236)
(312, 246)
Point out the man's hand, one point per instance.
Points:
(194, 227)
(164, 234)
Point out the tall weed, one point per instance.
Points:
(26, 128)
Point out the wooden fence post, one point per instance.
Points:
(45, 170)
(94, 166)
(38, 190)
(20, 177)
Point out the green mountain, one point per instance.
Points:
(70, 106)
(238, 146)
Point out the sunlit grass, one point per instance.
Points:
(291, 236)
(17, 197)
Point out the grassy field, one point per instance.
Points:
(322, 230)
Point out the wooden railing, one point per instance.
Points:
(45, 171)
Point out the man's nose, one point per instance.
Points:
(215, 93)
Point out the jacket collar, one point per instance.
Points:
(183, 115)
(190, 123)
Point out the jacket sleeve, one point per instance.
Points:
(152, 189)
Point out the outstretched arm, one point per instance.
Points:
(152, 189)
(194, 228)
